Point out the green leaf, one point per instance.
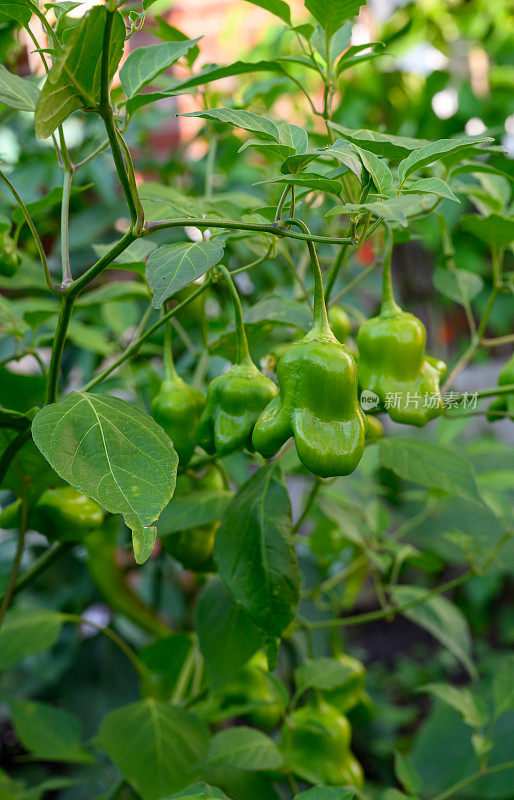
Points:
(165, 658)
(430, 465)
(154, 745)
(165, 201)
(473, 709)
(326, 793)
(293, 136)
(20, 10)
(379, 171)
(173, 266)
(28, 631)
(307, 180)
(332, 13)
(246, 120)
(268, 148)
(431, 186)
(221, 619)
(277, 7)
(184, 512)
(113, 452)
(345, 154)
(201, 791)
(17, 92)
(49, 200)
(115, 290)
(320, 673)
(255, 553)
(48, 733)
(395, 209)
(497, 231)
(504, 687)
(406, 773)
(442, 619)
(244, 748)
(434, 152)
(460, 285)
(382, 144)
(145, 63)
(169, 33)
(74, 80)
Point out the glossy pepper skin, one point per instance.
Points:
(351, 692)
(315, 742)
(234, 399)
(66, 515)
(194, 547)
(504, 404)
(177, 407)
(317, 402)
(392, 361)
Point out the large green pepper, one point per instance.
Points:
(236, 398)
(317, 402)
(194, 547)
(177, 407)
(315, 741)
(503, 405)
(392, 361)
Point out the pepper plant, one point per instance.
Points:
(205, 438)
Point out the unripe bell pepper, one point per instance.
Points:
(504, 404)
(65, 514)
(236, 398)
(177, 407)
(340, 323)
(194, 547)
(350, 693)
(9, 258)
(315, 742)
(392, 360)
(317, 402)
(254, 687)
(375, 429)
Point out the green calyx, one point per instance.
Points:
(315, 742)
(505, 403)
(177, 407)
(392, 360)
(317, 402)
(236, 398)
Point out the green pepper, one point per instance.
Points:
(194, 547)
(255, 689)
(340, 323)
(351, 691)
(236, 398)
(503, 405)
(65, 514)
(317, 402)
(9, 259)
(112, 583)
(177, 407)
(392, 361)
(374, 430)
(315, 741)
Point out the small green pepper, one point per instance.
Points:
(350, 693)
(340, 323)
(236, 398)
(177, 407)
(317, 402)
(315, 742)
(9, 258)
(65, 514)
(392, 361)
(254, 688)
(503, 405)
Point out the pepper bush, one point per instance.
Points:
(256, 534)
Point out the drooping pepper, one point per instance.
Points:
(236, 398)
(255, 690)
(315, 742)
(392, 360)
(317, 402)
(194, 547)
(504, 404)
(177, 407)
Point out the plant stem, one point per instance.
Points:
(334, 271)
(391, 612)
(45, 560)
(33, 231)
(311, 497)
(133, 348)
(169, 365)
(274, 229)
(93, 272)
(472, 778)
(11, 450)
(65, 219)
(353, 283)
(242, 351)
(320, 324)
(9, 593)
(389, 304)
(67, 303)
